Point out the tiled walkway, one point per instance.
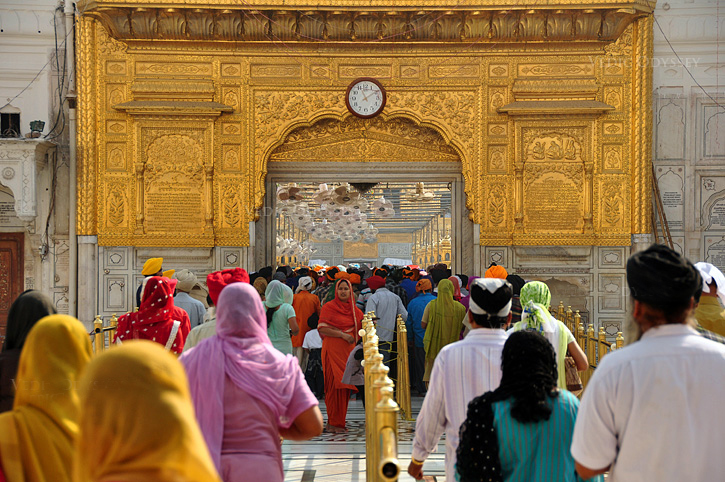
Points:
(341, 457)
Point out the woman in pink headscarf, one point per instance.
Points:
(247, 394)
(456, 287)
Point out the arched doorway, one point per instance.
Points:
(391, 156)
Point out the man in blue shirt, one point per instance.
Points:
(409, 283)
(416, 308)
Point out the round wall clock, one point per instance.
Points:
(365, 97)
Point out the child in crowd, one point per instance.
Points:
(313, 346)
(354, 373)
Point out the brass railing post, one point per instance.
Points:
(603, 347)
(560, 312)
(580, 337)
(99, 338)
(591, 350)
(386, 415)
(569, 317)
(379, 375)
(370, 349)
(620, 340)
(113, 323)
(403, 391)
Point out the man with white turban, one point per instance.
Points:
(194, 308)
(709, 312)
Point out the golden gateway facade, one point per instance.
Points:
(182, 103)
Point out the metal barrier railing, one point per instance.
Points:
(595, 347)
(381, 411)
(99, 333)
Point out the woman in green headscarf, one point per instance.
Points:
(535, 302)
(281, 317)
(442, 321)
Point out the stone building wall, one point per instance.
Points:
(689, 125)
(34, 195)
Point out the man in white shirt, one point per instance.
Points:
(653, 410)
(194, 308)
(462, 371)
(206, 330)
(387, 306)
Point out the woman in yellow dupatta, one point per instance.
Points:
(138, 424)
(443, 323)
(36, 437)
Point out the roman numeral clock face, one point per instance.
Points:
(365, 98)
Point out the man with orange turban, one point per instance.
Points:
(496, 271)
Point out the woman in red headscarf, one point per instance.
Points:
(157, 319)
(340, 321)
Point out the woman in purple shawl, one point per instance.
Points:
(464, 301)
(247, 394)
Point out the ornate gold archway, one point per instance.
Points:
(557, 96)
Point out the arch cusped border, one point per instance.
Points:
(450, 113)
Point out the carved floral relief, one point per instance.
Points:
(612, 204)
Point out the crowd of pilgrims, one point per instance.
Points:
(202, 383)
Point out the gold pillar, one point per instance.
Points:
(641, 119)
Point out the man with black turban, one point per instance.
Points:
(653, 410)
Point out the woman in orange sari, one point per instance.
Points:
(340, 321)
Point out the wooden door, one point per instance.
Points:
(11, 273)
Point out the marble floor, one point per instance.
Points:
(341, 457)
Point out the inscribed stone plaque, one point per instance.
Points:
(61, 258)
(553, 203)
(174, 186)
(712, 203)
(174, 207)
(671, 184)
(7, 210)
(717, 215)
(715, 251)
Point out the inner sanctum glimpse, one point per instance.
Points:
(347, 170)
(371, 223)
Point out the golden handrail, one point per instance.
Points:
(381, 411)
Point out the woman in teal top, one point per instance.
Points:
(522, 431)
(281, 319)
